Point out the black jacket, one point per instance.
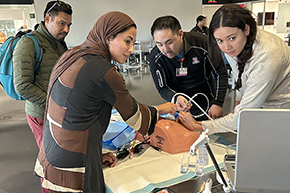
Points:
(197, 29)
(200, 72)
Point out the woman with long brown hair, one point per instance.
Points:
(260, 62)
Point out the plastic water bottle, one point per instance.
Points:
(202, 155)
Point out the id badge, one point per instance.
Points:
(181, 71)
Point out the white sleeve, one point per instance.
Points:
(258, 80)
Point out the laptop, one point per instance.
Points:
(262, 161)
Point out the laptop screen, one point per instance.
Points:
(263, 151)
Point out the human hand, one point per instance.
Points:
(109, 159)
(141, 137)
(181, 104)
(167, 108)
(189, 122)
(215, 111)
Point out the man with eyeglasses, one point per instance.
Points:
(32, 85)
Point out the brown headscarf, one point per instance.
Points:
(106, 26)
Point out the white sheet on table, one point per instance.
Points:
(153, 169)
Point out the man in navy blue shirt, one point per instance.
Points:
(179, 63)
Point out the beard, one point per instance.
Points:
(61, 36)
(61, 39)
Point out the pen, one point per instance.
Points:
(156, 148)
(133, 146)
(186, 105)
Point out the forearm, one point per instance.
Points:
(160, 81)
(167, 94)
(140, 117)
(197, 126)
(220, 125)
(221, 81)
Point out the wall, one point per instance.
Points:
(284, 17)
(255, 7)
(209, 10)
(272, 6)
(18, 15)
(143, 12)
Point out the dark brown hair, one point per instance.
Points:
(233, 15)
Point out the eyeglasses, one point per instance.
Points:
(60, 4)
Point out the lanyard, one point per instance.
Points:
(182, 71)
(181, 62)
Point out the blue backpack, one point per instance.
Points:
(6, 66)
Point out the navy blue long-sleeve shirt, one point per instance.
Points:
(202, 76)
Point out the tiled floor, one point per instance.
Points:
(18, 149)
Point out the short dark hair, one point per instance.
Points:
(36, 26)
(166, 22)
(21, 33)
(200, 18)
(54, 7)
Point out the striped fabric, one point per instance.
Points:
(80, 104)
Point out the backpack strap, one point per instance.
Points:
(8, 47)
(38, 49)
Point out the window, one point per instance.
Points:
(269, 18)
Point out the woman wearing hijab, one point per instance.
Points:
(83, 88)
